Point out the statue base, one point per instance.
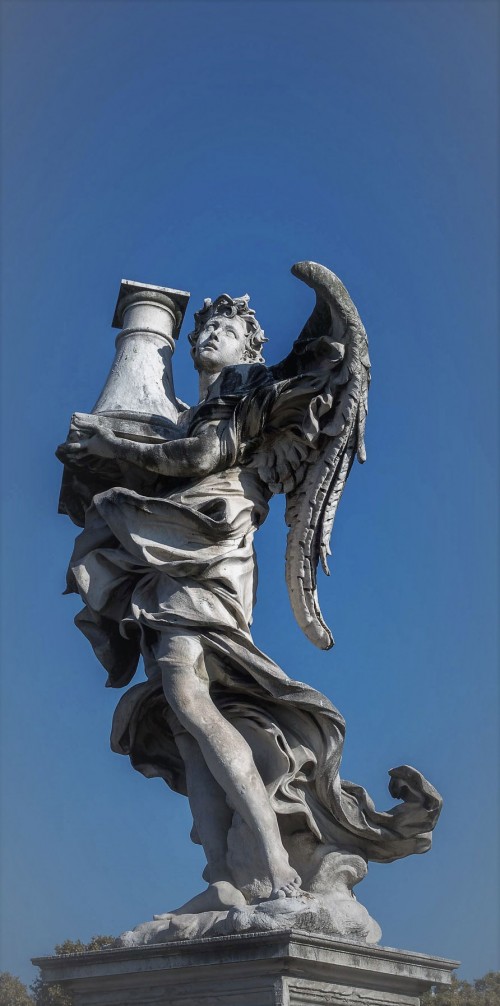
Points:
(287, 968)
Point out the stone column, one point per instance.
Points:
(140, 382)
(138, 400)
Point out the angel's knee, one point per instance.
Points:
(189, 698)
(177, 651)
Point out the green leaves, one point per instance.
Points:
(481, 992)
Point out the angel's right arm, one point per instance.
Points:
(185, 458)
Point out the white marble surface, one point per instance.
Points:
(166, 569)
(140, 379)
(275, 969)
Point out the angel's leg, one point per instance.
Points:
(225, 752)
(211, 815)
(212, 818)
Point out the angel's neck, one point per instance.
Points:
(206, 381)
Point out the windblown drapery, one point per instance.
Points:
(183, 561)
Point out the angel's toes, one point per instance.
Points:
(288, 890)
(293, 886)
(158, 918)
(292, 890)
(279, 892)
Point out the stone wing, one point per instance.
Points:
(314, 431)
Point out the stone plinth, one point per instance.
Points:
(251, 969)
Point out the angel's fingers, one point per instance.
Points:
(69, 452)
(82, 422)
(86, 417)
(76, 446)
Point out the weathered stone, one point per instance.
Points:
(273, 969)
(140, 380)
(329, 914)
(170, 499)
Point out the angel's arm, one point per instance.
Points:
(185, 457)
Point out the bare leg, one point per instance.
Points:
(203, 792)
(226, 754)
(212, 827)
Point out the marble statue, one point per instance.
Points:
(169, 498)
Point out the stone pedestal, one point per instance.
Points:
(251, 969)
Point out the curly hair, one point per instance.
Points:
(232, 307)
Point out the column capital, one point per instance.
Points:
(132, 292)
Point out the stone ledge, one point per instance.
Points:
(287, 968)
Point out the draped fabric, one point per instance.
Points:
(183, 562)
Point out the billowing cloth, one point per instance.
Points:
(184, 562)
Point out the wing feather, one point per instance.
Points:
(333, 337)
(304, 433)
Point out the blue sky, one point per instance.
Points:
(208, 146)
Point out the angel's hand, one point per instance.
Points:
(85, 424)
(98, 444)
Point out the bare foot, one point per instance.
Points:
(218, 896)
(290, 889)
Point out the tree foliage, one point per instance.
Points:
(77, 947)
(481, 992)
(55, 995)
(13, 992)
(49, 995)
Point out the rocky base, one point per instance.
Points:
(344, 918)
(325, 904)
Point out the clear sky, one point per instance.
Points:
(208, 146)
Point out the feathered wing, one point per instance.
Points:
(313, 433)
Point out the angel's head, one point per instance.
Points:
(226, 333)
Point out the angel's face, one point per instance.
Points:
(220, 343)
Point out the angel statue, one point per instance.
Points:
(165, 566)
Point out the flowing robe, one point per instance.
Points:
(181, 560)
